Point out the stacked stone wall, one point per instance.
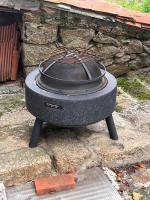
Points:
(120, 47)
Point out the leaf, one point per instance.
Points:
(120, 175)
(137, 196)
(140, 165)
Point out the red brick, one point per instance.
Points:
(54, 183)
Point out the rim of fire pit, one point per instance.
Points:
(71, 72)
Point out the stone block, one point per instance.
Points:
(132, 56)
(123, 59)
(33, 17)
(105, 51)
(104, 39)
(49, 11)
(132, 46)
(136, 63)
(105, 26)
(147, 43)
(34, 54)
(39, 33)
(69, 154)
(146, 61)
(118, 69)
(120, 54)
(118, 30)
(51, 15)
(106, 62)
(23, 165)
(77, 37)
(146, 34)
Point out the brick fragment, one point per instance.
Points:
(54, 183)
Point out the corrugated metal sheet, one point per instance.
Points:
(9, 54)
(92, 185)
(134, 18)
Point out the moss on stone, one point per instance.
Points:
(144, 78)
(134, 88)
(1, 114)
(11, 102)
(118, 109)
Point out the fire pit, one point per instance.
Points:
(71, 89)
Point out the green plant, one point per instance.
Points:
(146, 6)
(143, 5)
(134, 88)
(118, 109)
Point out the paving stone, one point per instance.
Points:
(14, 137)
(20, 116)
(9, 103)
(141, 176)
(11, 88)
(69, 154)
(24, 165)
(133, 144)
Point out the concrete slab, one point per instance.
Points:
(24, 165)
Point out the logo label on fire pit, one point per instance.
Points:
(54, 106)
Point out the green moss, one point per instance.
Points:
(119, 109)
(12, 102)
(143, 6)
(1, 114)
(134, 88)
(144, 78)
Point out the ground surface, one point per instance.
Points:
(64, 150)
(92, 184)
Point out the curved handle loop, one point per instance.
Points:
(103, 68)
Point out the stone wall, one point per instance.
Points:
(120, 47)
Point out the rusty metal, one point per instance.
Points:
(9, 52)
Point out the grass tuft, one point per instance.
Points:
(118, 109)
(134, 88)
(143, 5)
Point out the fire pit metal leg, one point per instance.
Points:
(36, 133)
(111, 128)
